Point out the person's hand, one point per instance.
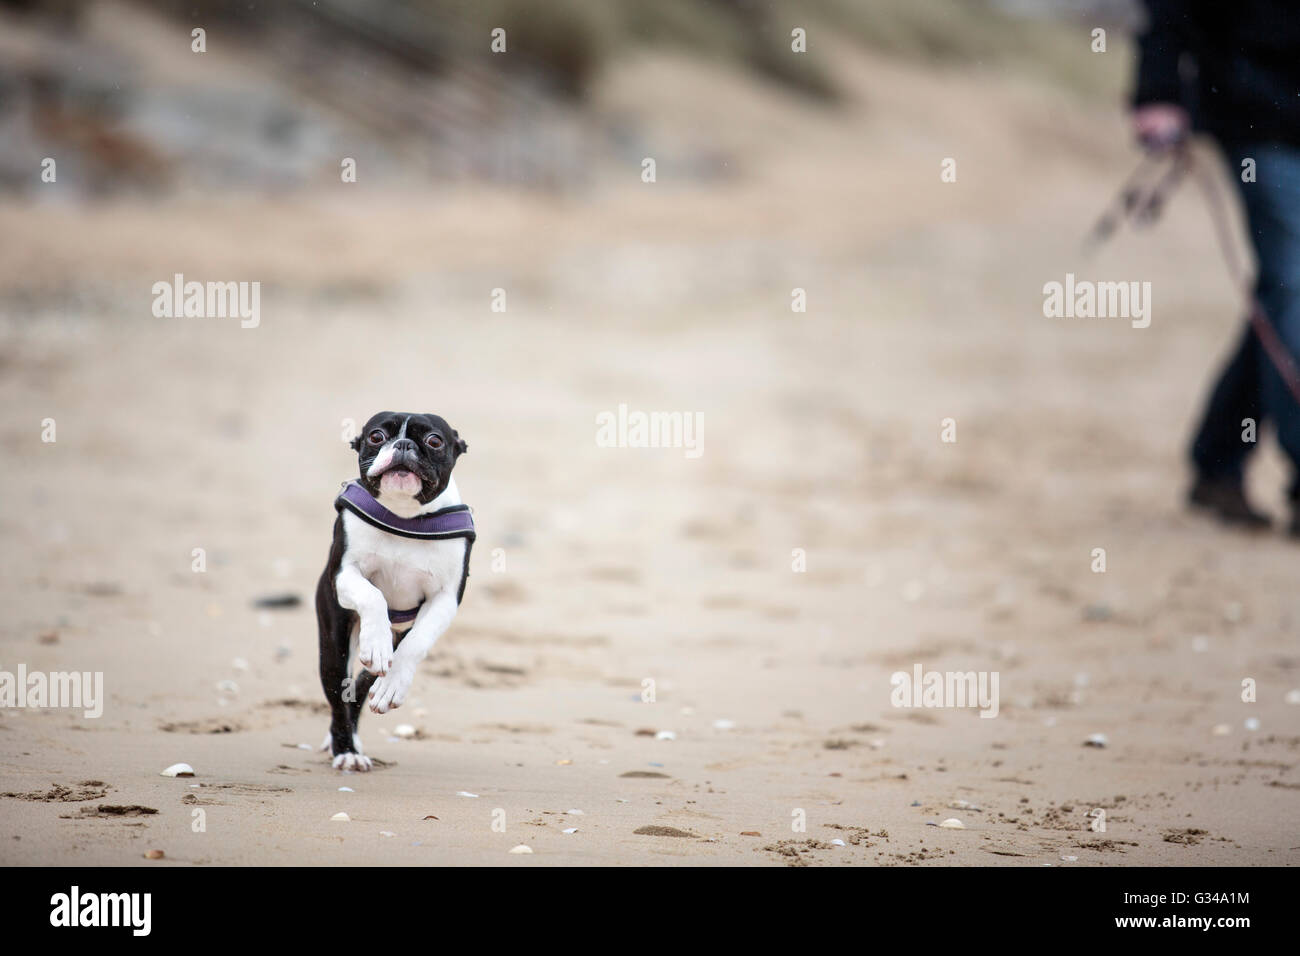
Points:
(1160, 125)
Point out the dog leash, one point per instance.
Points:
(1140, 201)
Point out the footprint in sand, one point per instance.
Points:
(210, 725)
(110, 810)
(664, 832)
(86, 790)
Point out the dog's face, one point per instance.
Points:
(400, 453)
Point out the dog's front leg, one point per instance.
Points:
(375, 640)
(389, 691)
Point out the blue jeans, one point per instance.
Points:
(1250, 386)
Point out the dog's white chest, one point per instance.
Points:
(407, 571)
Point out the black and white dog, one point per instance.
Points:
(396, 571)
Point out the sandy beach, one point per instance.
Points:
(825, 538)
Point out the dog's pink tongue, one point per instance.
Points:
(400, 481)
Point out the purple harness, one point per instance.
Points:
(456, 521)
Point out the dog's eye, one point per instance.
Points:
(377, 437)
(434, 441)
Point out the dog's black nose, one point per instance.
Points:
(404, 445)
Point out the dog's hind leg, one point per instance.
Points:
(342, 691)
(362, 688)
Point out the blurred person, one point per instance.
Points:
(1232, 70)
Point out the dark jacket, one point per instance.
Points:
(1240, 76)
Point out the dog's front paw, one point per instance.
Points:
(389, 692)
(375, 648)
(352, 761)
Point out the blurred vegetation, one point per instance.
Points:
(565, 43)
(574, 38)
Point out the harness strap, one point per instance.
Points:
(402, 617)
(456, 521)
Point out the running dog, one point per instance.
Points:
(396, 570)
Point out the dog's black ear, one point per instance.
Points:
(461, 447)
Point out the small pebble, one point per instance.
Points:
(346, 790)
(575, 813)
(952, 823)
(562, 763)
(570, 830)
(750, 833)
(1221, 730)
(228, 687)
(178, 770)
(154, 855)
(304, 747)
(1097, 612)
(341, 818)
(387, 833)
(724, 724)
(665, 735)
(1069, 859)
(838, 843)
(465, 793)
(521, 848)
(1096, 740)
(405, 731)
(239, 664)
(1252, 723)
(277, 601)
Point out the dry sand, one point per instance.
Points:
(821, 433)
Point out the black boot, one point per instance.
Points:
(1225, 498)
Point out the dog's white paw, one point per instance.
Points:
(375, 648)
(358, 762)
(389, 692)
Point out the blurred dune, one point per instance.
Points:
(925, 303)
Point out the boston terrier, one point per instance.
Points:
(396, 571)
